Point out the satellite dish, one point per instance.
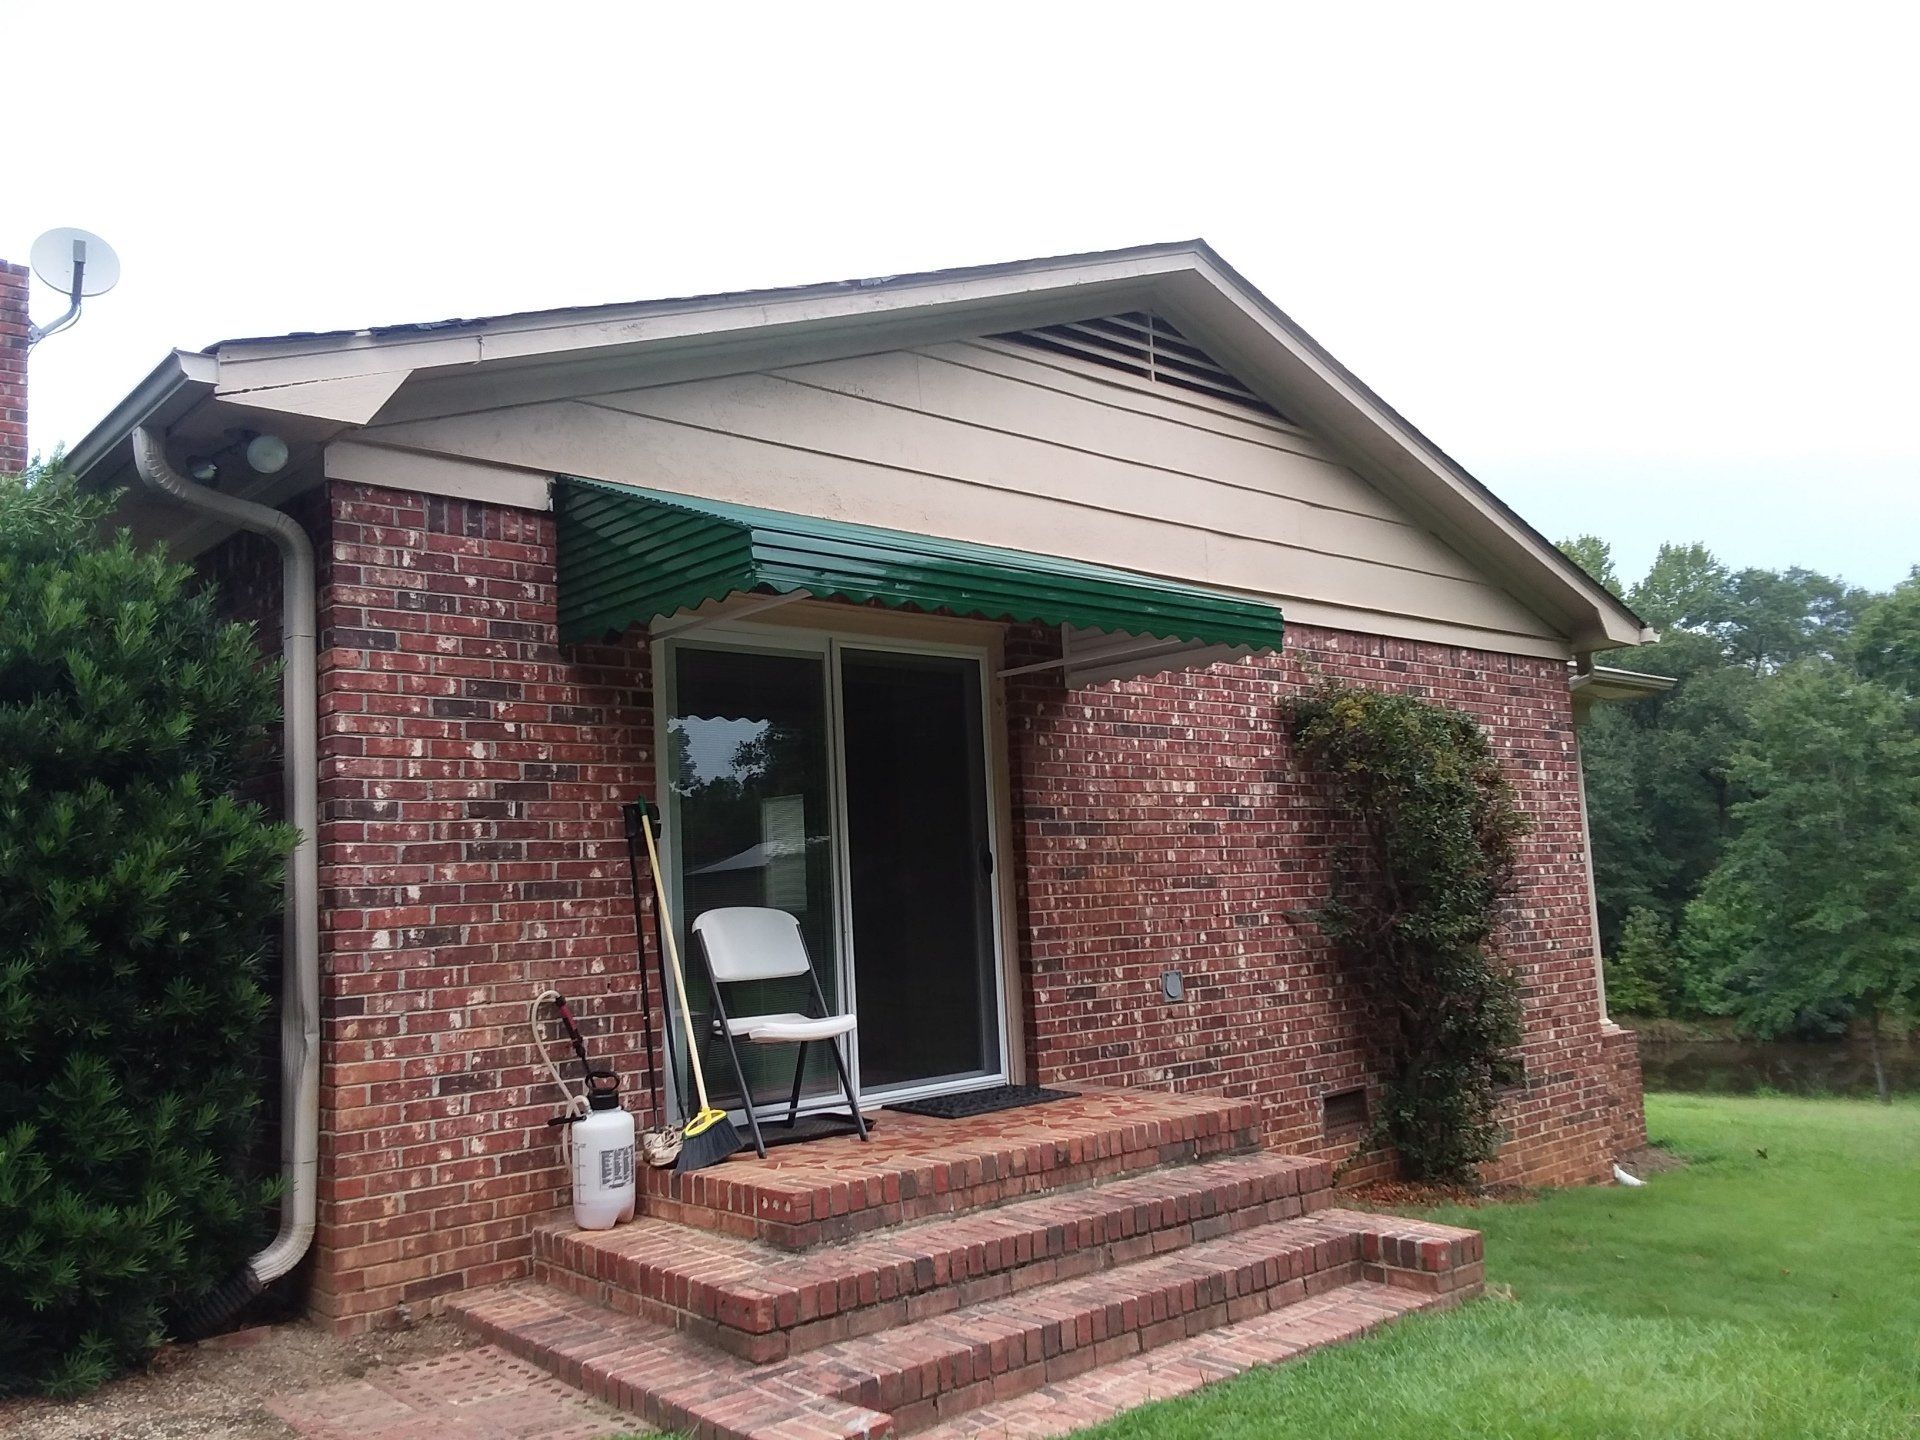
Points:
(75, 263)
(65, 256)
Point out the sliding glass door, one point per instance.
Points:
(848, 785)
(750, 779)
(920, 867)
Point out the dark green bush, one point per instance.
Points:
(1641, 971)
(137, 901)
(1415, 907)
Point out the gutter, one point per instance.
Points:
(300, 944)
(171, 380)
(1609, 682)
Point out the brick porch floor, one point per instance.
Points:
(915, 1167)
(1092, 1253)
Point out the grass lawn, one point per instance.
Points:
(1742, 1296)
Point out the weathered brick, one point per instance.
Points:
(472, 854)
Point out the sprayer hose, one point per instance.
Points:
(576, 1106)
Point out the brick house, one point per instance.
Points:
(15, 284)
(942, 610)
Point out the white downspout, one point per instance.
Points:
(300, 945)
(1585, 664)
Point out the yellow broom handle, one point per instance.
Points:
(673, 959)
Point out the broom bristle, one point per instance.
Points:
(706, 1145)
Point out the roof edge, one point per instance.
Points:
(1612, 683)
(249, 369)
(1452, 469)
(182, 375)
(299, 342)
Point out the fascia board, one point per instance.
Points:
(1271, 354)
(612, 329)
(172, 388)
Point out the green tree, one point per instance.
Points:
(1776, 617)
(1660, 795)
(1662, 790)
(136, 901)
(1647, 974)
(1595, 556)
(1632, 970)
(1685, 588)
(1813, 917)
(1630, 870)
(1886, 644)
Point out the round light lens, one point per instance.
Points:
(267, 453)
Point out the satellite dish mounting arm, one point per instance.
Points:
(37, 333)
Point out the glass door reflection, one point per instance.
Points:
(750, 782)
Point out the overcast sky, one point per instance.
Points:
(1649, 272)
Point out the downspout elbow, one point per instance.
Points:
(300, 957)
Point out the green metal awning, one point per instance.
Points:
(629, 556)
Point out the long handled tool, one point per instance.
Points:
(709, 1137)
(660, 1142)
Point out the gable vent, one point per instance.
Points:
(1142, 344)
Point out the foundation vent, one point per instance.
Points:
(1344, 1111)
(1144, 345)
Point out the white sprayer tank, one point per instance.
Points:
(602, 1163)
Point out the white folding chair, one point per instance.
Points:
(741, 943)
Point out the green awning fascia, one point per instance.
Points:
(630, 556)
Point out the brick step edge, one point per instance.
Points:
(654, 1373)
(763, 1306)
(935, 1369)
(724, 1199)
(998, 1349)
(1057, 1408)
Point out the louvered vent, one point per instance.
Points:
(1141, 344)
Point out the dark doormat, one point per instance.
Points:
(807, 1127)
(981, 1102)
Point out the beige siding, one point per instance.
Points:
(985, 441)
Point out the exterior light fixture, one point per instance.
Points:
(267, 454)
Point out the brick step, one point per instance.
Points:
(916, 1168)
(660, 1374)
(933, 1370)
(763, 1304)
(1058, 1408)
(947, 1364)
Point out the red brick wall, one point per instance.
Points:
(1166, 824)
(471, 855)
(1629, 1100)
(15, 285)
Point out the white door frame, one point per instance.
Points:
(830, 644)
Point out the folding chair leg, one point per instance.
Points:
(746, 1095)
(846, 1084)
(799, 1073)
(733, 1054)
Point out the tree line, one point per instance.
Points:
(1756, 829)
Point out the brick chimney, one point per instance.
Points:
(14, 283)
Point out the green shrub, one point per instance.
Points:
(1415, 908)
(1643, 972)
(136, 907)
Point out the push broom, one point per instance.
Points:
(660, 1143)
(709, 1137)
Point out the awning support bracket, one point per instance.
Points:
(735, 607)
(1067, 657)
